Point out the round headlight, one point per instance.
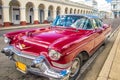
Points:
(6, 40)
(54, 55)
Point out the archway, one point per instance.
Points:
(41, 13)
(30, 12)
(58, 10)
(81, 12)
(74, 11)
(14, 11)
(71, 10)
(78, 11)
(84, 12)
(66, 10)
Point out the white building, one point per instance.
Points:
(24, 12)
(95, 7)
(116, 8)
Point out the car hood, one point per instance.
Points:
(41, 40)
(51, 35)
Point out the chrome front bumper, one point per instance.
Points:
(44, 68)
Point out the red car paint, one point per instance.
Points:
(69, 42)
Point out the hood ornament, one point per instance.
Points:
(22, 46)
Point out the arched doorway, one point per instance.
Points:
(30, 13)
(41, 13)
(14, 11)
(81, 12)
(78, 11)
(1, 14)
(84, 12)
(58, 10)
(50, 13)
(66, 10)
(74, 11)
(70, 10)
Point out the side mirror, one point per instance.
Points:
(105, 26)
(98, 30)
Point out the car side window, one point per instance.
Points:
(94, 24)
(88, 24)
(79, 23)
(98, 22)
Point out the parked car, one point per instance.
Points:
(57, 51)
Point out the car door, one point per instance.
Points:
(90, 36)
(98, 32)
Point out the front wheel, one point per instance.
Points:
(75, 68)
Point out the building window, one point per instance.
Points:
(31, 9)
(17, 17)
(114, 6)
(49, 14)
(115, 14)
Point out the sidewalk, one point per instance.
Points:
(111, 67)
(16, 27)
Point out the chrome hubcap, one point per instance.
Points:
(75, 67)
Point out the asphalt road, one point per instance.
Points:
(9, 72)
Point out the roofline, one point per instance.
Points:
(84, 15)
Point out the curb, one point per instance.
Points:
(105, 71)
(26, 26)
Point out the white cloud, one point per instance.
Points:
(102, 4)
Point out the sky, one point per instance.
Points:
(104, 5)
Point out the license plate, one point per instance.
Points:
(21, 66)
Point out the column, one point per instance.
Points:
(23, 16)
(46, 13)
(36, 20)
(62, 11)
(68, 11)
(55, 13)
(6, 17)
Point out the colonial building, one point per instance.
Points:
(13, 12)
(116, 8)
(95, 7)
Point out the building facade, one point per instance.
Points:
(116, 8)
(95, 7)
(13, 12)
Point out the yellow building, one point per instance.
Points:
(24, 12)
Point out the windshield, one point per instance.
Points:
(69, 21)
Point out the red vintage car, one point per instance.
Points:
(57, 51)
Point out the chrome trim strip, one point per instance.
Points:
(19, 53)
(47, 72)
(61, 65)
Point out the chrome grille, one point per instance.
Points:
(22, 59)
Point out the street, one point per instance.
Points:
(9, 72)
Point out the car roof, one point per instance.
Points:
(85, 15)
